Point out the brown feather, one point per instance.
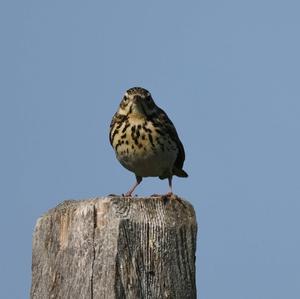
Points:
(170, 128)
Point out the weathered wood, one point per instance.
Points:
(115, 247)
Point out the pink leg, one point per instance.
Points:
(173, 196)
(138, 181)
(170, 193)
(170, 186)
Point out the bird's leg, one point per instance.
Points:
(172, 196)
(170, 193)
(138, 181)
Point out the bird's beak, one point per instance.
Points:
(137, 105)
(136, 99)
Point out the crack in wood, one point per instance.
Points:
(93, 249)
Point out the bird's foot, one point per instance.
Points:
(129, 194)
(126, 195)
(172, 196)
(169, 196)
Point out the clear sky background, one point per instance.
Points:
(226, 72)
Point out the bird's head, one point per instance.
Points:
(137, 101)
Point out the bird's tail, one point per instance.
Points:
(180, 172)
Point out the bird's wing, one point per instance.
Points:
(170, 128)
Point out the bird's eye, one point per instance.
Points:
(125, 99)
(148, 99)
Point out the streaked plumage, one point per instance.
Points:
(145, 140)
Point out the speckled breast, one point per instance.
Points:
(145, 148)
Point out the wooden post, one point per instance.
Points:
(115, 247)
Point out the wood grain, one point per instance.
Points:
(115, 247)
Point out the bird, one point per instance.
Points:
(145, 140)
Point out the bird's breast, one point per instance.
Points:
(144, 147)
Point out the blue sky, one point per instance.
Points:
(227, 73)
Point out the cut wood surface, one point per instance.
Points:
(115, 247)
